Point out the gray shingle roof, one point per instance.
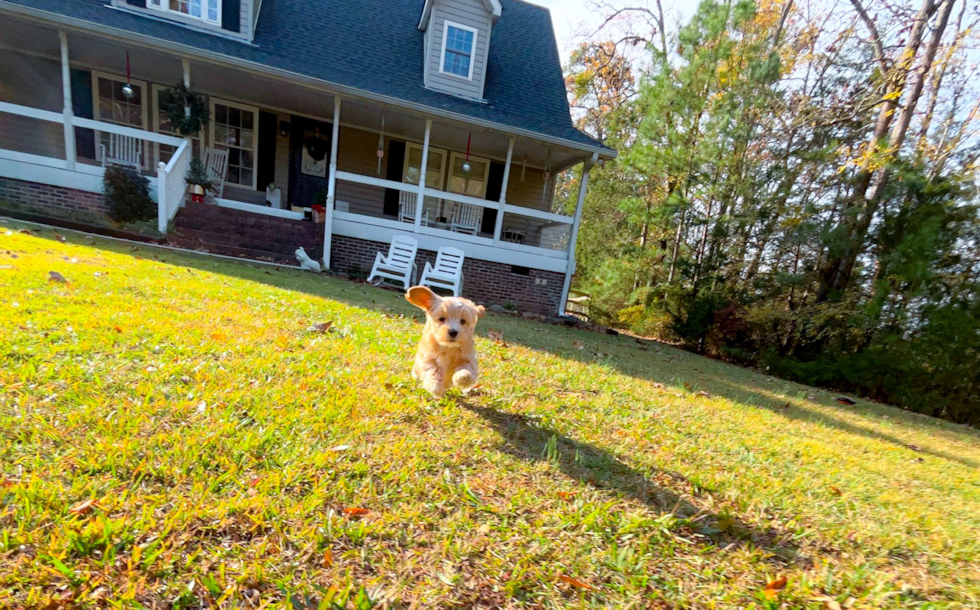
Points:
(375, 46)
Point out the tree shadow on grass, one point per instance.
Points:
(597, 468)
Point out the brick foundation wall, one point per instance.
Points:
(55, 200)
(484, 282)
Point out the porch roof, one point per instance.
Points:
(367, 48)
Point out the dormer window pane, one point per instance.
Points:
(458, 50)
(205, 10)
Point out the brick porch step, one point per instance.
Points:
(202, 226)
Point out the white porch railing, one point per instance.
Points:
(167, 187)
(171, 186)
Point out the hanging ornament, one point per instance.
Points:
(547, 177)
(381, 144)
(127, 89)
(466, 164)
(316, 146)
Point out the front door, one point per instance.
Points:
(309, 159)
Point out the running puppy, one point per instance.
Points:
(446, 356)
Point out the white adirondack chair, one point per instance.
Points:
(406, 208)
(447, 273)
(216, 164)
(399, 265)
(125, 151)
(467, 219)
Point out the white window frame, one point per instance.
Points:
(144, 108)
(255, 147)
(163, 6)
(445, 44)
(452, 164)
(157, 89)
(409, 146)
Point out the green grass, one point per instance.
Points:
(222, 441)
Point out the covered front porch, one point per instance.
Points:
(292, 148)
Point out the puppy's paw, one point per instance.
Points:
(464, 379)
(434, 387)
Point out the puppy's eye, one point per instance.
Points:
(442, 319)
(463, 322)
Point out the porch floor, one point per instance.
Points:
(221, 230)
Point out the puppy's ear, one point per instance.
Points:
(481, 311)
(422, 297)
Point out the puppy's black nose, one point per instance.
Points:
(453, 333)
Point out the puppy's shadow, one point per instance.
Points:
(596, 467)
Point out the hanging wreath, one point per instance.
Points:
(317, 147)
(173, 105)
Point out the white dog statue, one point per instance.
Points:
(306, 262)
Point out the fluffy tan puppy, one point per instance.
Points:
(446, 356)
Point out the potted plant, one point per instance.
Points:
(197, 178)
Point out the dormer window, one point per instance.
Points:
(205, 10)
(457, 50)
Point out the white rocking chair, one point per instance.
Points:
(406, 208)
(399, 265)
(123, 151)
(216, 164)
(447, 273)
(467, 219)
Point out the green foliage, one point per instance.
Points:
(127, 195)
(186, 110)
(744, 170)
(197, 174)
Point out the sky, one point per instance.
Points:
(572, 17)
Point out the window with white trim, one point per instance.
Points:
(473, 183)
(458, 45)
(112, 105)
(205, 10)
(234, 128)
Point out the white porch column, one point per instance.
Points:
(420, 204)
(331, 184)
(186, 64)
(66, 92)
(573, 238)
(499, 225)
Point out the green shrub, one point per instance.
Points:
(127, 195)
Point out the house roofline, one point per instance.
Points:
(492, 5)
(278, 73)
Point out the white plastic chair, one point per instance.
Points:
(125, 151)
(467, 219)
(216, 163)
(447, 273)
(399, 265)
(406, 208)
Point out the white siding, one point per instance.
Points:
(471, 13)
(358, 154)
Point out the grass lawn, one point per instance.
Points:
(173, 434)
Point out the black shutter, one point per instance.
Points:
(268, 132)
(396, 161)
(81, 106)
(231, 15)
(495, 184)
(139, 3)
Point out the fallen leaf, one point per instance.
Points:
(567, 495)
(327, 558)
(836, 490)
(60, 238)
(704, 394)
(574, 582)
(495, 335)
(219, 336)
(340, 448)
(27, 232)
(82, 508)
(578, 345)
(484, 529)
(688, 386)
(828, 602)
(914, 447)
(320, 327)
(54, 276)
(117, 329)
(8, 482)
(356, 512)
(659, 386)
(846, 401)
(133, 249)
(773, 588)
